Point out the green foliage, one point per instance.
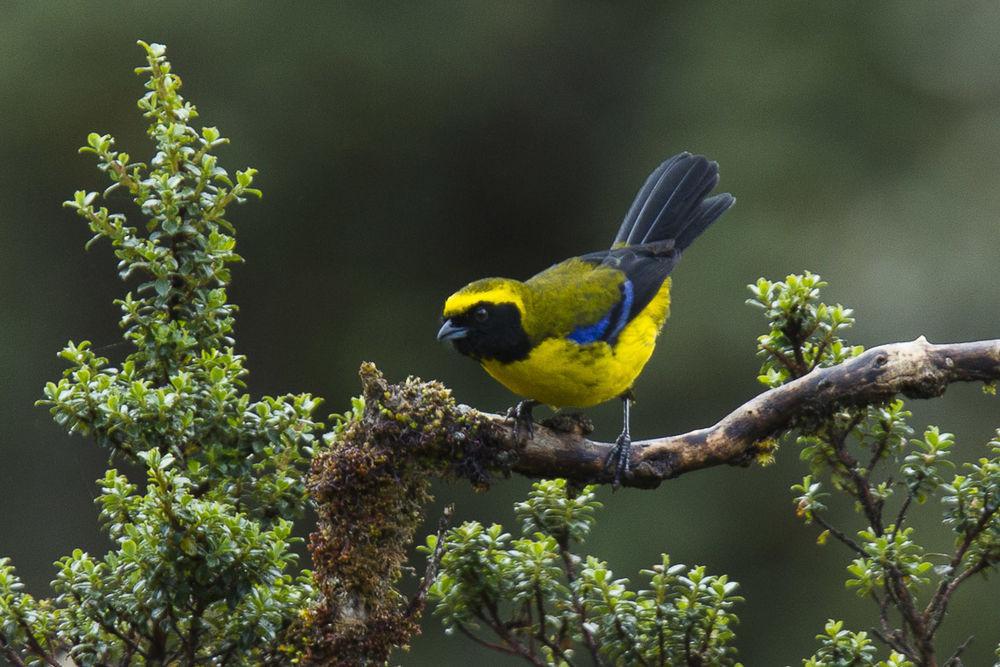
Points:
(27, 625)
(867, 456)
(211, 580)
(542, 602)
(923, 467)
(341, 420)
(803, 331)
(370, 485)
(971, 509)
(552, 510)
(809, 499)
(549, 605)
(890, 553)
(181, 389)
(850, 649)
(198, 572)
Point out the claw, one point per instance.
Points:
(619, 458)
(524, 425)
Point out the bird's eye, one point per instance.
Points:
(481, 314)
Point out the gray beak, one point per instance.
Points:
(451, 332)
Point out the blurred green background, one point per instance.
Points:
(408, 148)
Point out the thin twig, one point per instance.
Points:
(789, 364)
(901, 515)
(500, 628)
(7, 650)
(542, 636)
(482, 642)
(895, 581)
(851, 544)
(955, 659)
(880, 448)
(578, 606)
(936, 608)
(889, 635)
(942, 604)
(35, 647)
(419, 599)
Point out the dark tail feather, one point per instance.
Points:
(672, 205)
(707, 213)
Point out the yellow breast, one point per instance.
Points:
(561, 373)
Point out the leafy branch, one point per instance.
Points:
(865, 453)
(199, 569)
(197, 574)
(852, 431)
(541, 602)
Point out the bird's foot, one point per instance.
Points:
(570, 422)
(618, 459)
(524, 425)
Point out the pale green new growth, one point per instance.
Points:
(864, 454)
(803, 332)
(549, 606)
(198, 571)
(850, 649)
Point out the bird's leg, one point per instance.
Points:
(524, 425)
(619, 456)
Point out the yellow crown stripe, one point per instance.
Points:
(460, 302)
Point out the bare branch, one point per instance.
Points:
(8, 651)
(955, 659)
(412, 431)
(33, 644)
(419, 599)
(839, 535)
(916, 369)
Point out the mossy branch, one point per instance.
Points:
(915, 369)
(372, 483)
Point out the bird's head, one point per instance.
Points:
(484, 320)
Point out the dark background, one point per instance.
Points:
(409, 149)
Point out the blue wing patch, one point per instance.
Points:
(592, 332)
(609, 326)
(624, 311)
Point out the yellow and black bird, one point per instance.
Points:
(580, 332)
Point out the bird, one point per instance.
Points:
(580, 332)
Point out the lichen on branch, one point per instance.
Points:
(915, 369)
(373, 481)
(371, 485)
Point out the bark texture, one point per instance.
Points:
(915, 369)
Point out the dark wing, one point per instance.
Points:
(645, 268)
(670, 210)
